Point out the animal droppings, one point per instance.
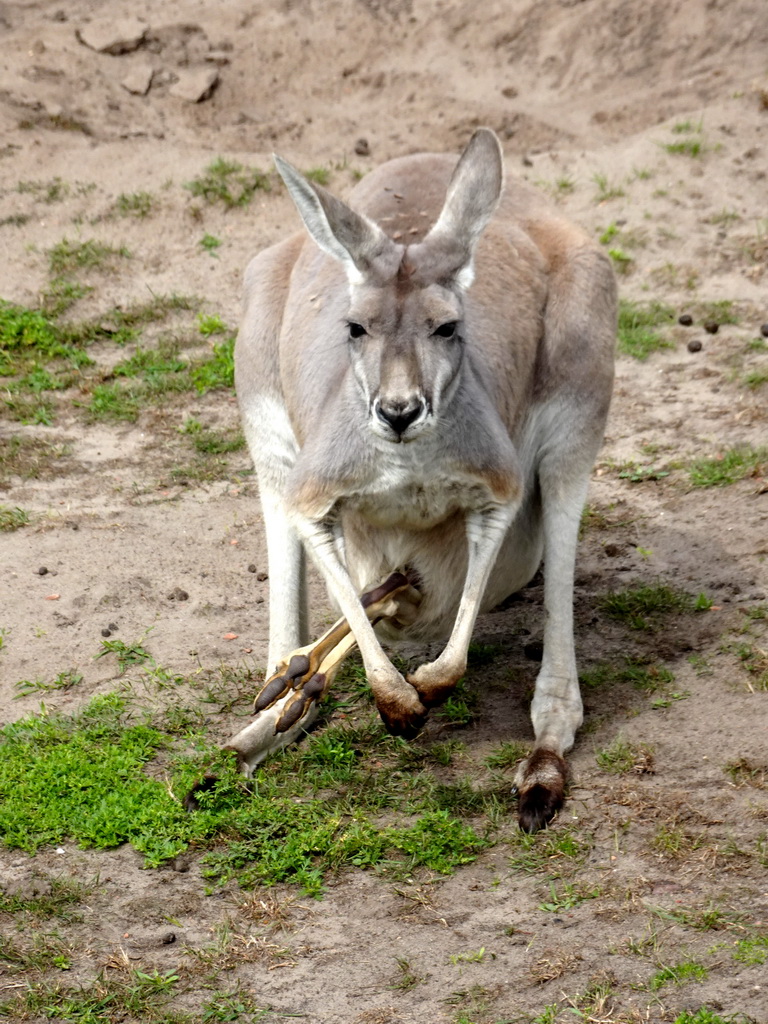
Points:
(685, 319)
(694, 345)
(711, 327)
(764, 330)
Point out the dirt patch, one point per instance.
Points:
(648, 123)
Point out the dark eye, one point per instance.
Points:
(356, 330)
(446, 330)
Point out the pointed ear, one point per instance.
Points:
(357, 242)
(473, 195)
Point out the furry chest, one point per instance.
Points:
(417, 504)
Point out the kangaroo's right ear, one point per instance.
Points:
(354, 240)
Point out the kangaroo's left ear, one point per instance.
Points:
(473, 195)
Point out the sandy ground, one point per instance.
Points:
(586, 97)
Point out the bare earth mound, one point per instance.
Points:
(135, 185)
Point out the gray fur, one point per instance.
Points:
(463, 457)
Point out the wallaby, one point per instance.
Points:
(424, 377)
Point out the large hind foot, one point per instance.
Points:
(540, 783)
(287, 703)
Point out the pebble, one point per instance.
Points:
(685, 319)
(106, 632)
(195, 85)
(764, 330)
(42, 571)
(362, 147)
(694, 345)
(251, 567)
(261, 576)
(113, 35)
(168, 938)
(138, 80)
(711, 327)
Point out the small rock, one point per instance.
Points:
(106, 632)
(251, 567)
(764, 330)
(113, 35)
(685, 319)
(42, 571)
(113, 626)
(362, 147)
(711, 327)
(218, 57)
(694, 345)
(138, 80)
(261, 576)
(196, 85)
(168, 938)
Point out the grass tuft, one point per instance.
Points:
(638, 336)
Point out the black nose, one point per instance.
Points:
(399, 415)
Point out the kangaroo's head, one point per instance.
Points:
(404, 320)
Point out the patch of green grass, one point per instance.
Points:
(209, 324)
(52, 191)
(66, 258)
(706, 1016)
(315, 809)
(752, 951)
(721, 311)
(555, 852)
(622, 757)
(679, 974)
(622, 261)
(13, 518)
(568, 896)
(648, 607)
(687, 147)
(755, 378)
(134, 204)
(638, 336)
(213, 442)
(127, 653)
(218, 370)
(745, 773)
(113, 402)
(729, 466)
(63, 681)
(606, 190)
(320, 175)
(113, 996)
(27, 331)
(460, 709)
(229, 182)
(210, 243)
(637, 474)
(507, 755)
